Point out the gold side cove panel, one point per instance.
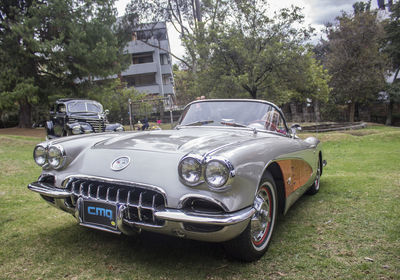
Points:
(296, 173)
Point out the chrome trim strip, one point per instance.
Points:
(222, 220)
(48, 190)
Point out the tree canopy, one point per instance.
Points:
(55, 47)
(354, 57)
(392, 49)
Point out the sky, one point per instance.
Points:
(316, 12)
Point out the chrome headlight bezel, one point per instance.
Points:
(202, 163)
(196, 163)
(224, 167)
(59, 158)
(76, 129)
(44, 155)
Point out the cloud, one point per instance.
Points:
(323, 11)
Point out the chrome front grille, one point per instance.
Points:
(141, 203)
(97, 124)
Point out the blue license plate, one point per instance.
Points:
(100, 214)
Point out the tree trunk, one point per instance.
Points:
(389, 114)
(317, 111)
(390, 105)
(25, 110)
(305, 112)
(352, 110)
(293, 109)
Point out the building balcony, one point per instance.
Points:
(135, 69)
(149, 89)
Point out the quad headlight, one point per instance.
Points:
(53, 156)
(215, 171)
(40, 155)
(190, 170)
(56, 156)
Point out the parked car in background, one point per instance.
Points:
(224, 174)
(78, 116)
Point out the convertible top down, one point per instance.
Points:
(222, 175)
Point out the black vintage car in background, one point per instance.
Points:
(78, 116)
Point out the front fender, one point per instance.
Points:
(114, 127)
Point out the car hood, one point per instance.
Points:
(197, 140)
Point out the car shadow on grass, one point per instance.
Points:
(152, 254)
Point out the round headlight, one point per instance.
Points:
(76, 129)
(40, 155)
(190, 170)
(216, 174)
(55, 156)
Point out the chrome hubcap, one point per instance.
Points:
(262, 218)
(317, 177)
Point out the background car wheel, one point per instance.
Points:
(315, 187)
(253, 242)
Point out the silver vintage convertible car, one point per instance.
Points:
(224, 174)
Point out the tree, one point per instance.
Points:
(233, 49)
(115, 96)
(392, 48)
(354, 58)
(55, 46)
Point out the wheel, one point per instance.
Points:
(253, 242)
(315, 186)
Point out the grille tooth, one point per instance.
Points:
(153, 203)
(108, 194)
(139, 209)
(141, 202)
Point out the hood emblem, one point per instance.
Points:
(120, 163)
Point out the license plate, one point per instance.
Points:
(100, 214)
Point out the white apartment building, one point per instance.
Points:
(151, 68)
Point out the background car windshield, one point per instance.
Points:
(83, 106)
(215, 113)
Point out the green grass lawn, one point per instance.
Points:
(349, 230)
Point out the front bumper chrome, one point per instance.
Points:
(48, 190)
(228, 225)
(221, 220)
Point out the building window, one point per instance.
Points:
(167, 79)
(164, 59)
(139, 58)
(141, 80)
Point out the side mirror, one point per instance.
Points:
(106, 112)
(294, 128)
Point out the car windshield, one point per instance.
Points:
(85, 106)
(251, 114)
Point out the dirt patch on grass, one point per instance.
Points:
(29, 132)
(361, 132)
